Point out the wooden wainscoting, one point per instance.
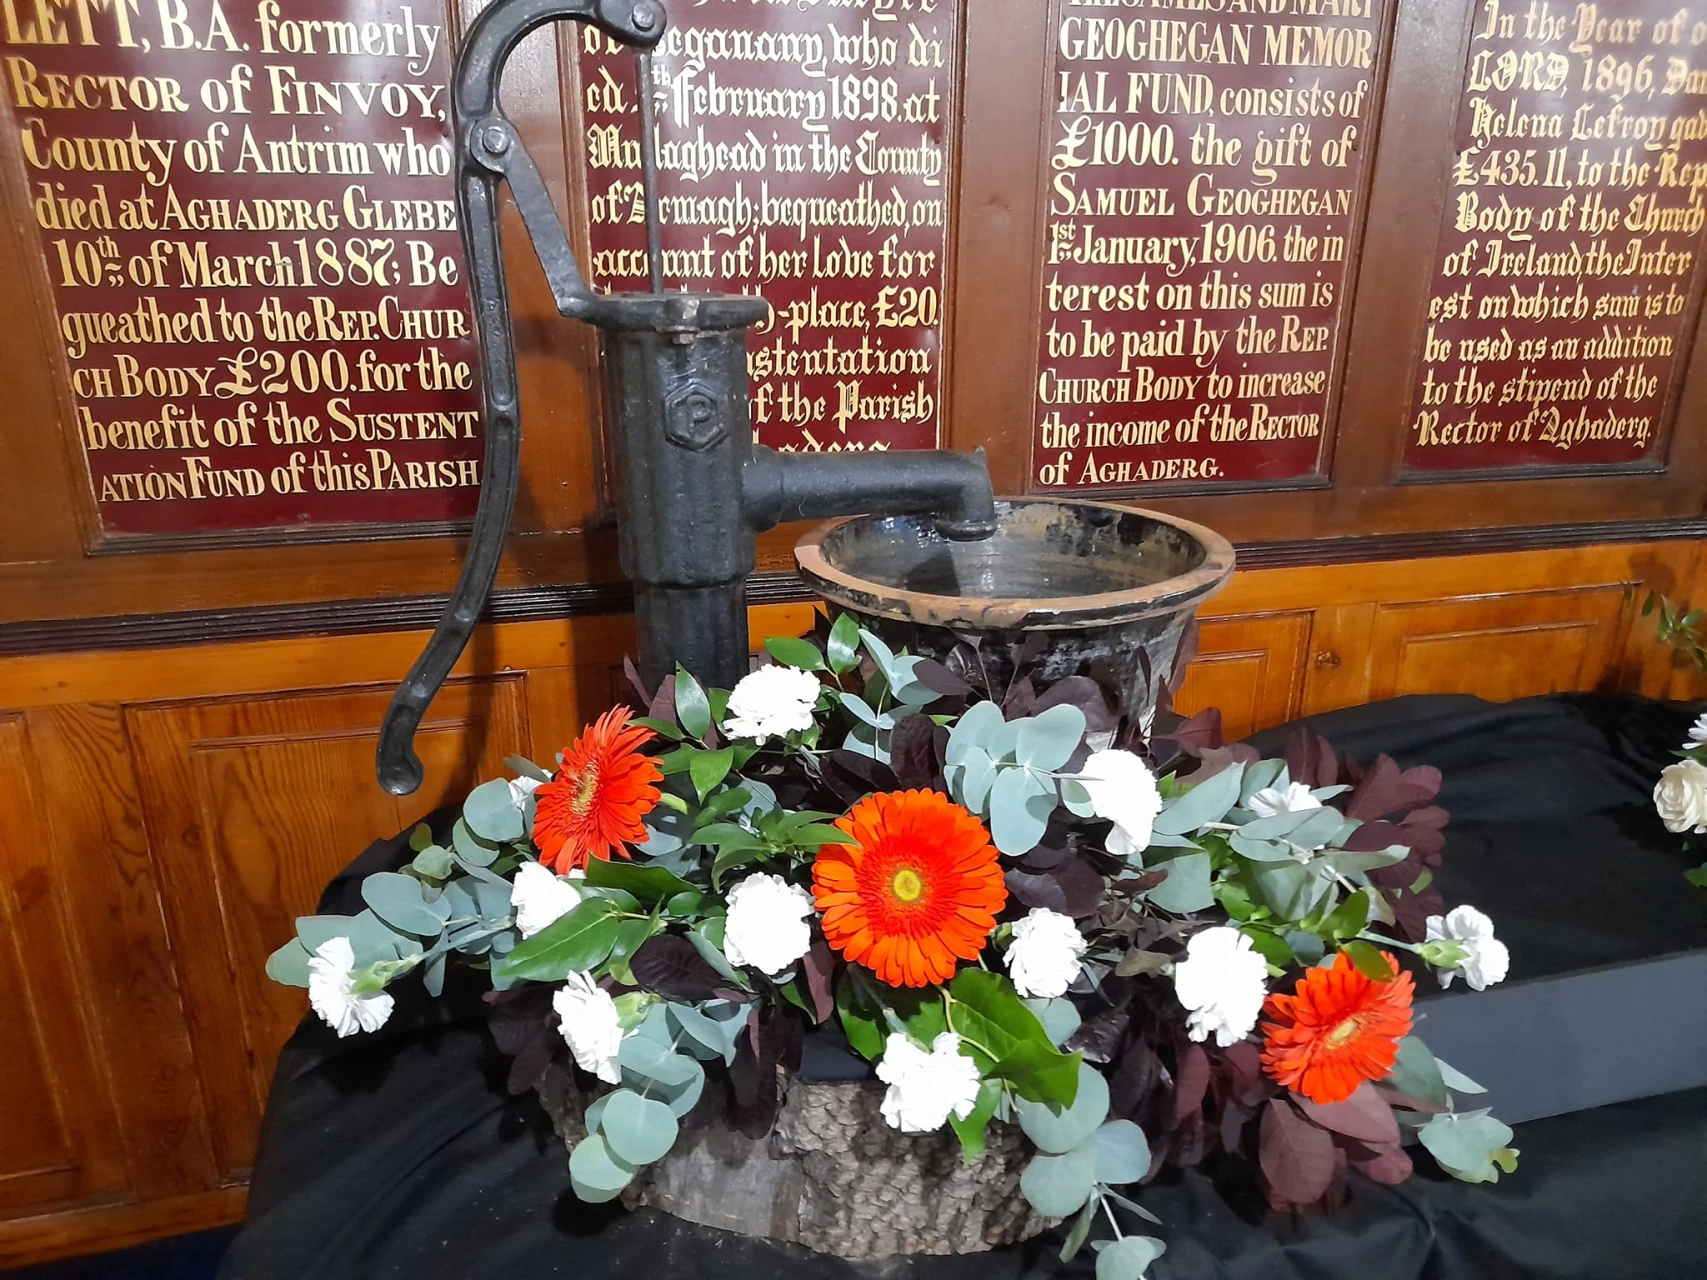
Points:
(170, 810)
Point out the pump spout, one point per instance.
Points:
(953, 487)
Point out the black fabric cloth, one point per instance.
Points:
(400, 1154)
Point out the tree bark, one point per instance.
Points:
(832, 1175)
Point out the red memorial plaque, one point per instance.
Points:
(1205, 191)
(1568, 273)
(802, 152)
(245, 214)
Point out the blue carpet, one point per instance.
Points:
(194, 1257)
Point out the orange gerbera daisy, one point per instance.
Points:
(918, 893)
(1339, 1029)
(600, 794)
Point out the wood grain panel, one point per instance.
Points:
(55, 1136)
(1499, 647)
(1251, 667)
(253, 806)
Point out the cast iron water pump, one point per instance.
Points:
(692, 489)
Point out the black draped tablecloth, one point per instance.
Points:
(400, 1154)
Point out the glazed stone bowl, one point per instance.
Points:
(1089, 588)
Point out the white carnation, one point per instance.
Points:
(1697, 734)
(771, 702)
(1123, 791)
(540, 898)
(588, 1018)
(1044, 957)
(1271, 802)
(1680, 796)
(1222, 984)
(926, 1088)
(767, 926)
(522, 788)
(331, 974)
(1487, 959)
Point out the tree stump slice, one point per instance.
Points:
(831, 1175)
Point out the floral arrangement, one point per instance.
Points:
(993, 894)
(1680, 796)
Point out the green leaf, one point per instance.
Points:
(843, 645)
(1129, 1257)
(574, 943)
(1060, 1018)
(708, 768)
(1057, 1185)
(396, 899)
(649, 884)
(433, 862)
(1416, 1073)
(663, 728)
(289, 964)
(630, 934)
(995, 1023)
(1368, 960)
(721, 805)
(815, 835)
(862, 1023)
(595, 1172)
(491, 812)
(420, 837)
(1349, 918)
(686, 904)
(1123, 1153)
(1048, 741)
(1187, 887)
(1059, 1132)
(920, 1010)
(795, 653)
(638, 1130)
(693, 709)
(1020, 805)
(971, 1131)
(719, 834)
(1208, 801)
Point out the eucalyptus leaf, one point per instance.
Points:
(469, 847)
(1290, 889)
(1059, 1132)
(434, 862)
(1047, 741)
(713, 955)
(1128, 1257)
(1456, 1080)
(1058, 1185)
(881, 655)
(1261, 776)
(1357, 862)
(396, 899)
(1081, 1230)
(1417, 1073)
(289, 964)
(1123, 1153)
(1208, 801)
(973, 729)
(433, 975)
(595, 1172)
(977, 776)
(638, 1130)
(1077, 798)
(1280, 825)
(1020, 805)
(1465, 1144)
(1259, 850)
(1060, 1018)
(1187, 888)
(491, 813)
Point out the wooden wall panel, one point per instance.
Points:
(55, 1105)
(253, 805)
(1252, 667)
(1500, 647)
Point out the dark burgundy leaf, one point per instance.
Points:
(1373, 836)
(912, 753)
(1385, 789)
(852, 777)
(668, 965)
(516, 1016)
(1243, 1063)
(1234, 1117)
(1363, 1116)
(1391, 1167)
(1394, 1098)
(639, 687)
(1072, 888)
(1297, 1158)
(819, 967)
(1310, 760)
(1201, 733)
(1085, 694)
(1098, 1036)
(1035, 889)
(1051, 852)
(1021, 700)
(1214, 760)
(1192, 1081)
(1144, 883)
(939, 679)
(1412, 910)
(663, 703)
(1138, 1073)
(528, 1066)
(1029, 650)
(1184, 656)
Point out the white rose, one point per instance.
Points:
(1222, 984)
(1697, 734)
(1486, 960)
(1044, 957)
(540, 898)
(1123, 791)
(767, 926)
(1271, 802)
(330, 977)
(926, 1088)
(771, 702)
(1681, 797)
(588, 1018)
